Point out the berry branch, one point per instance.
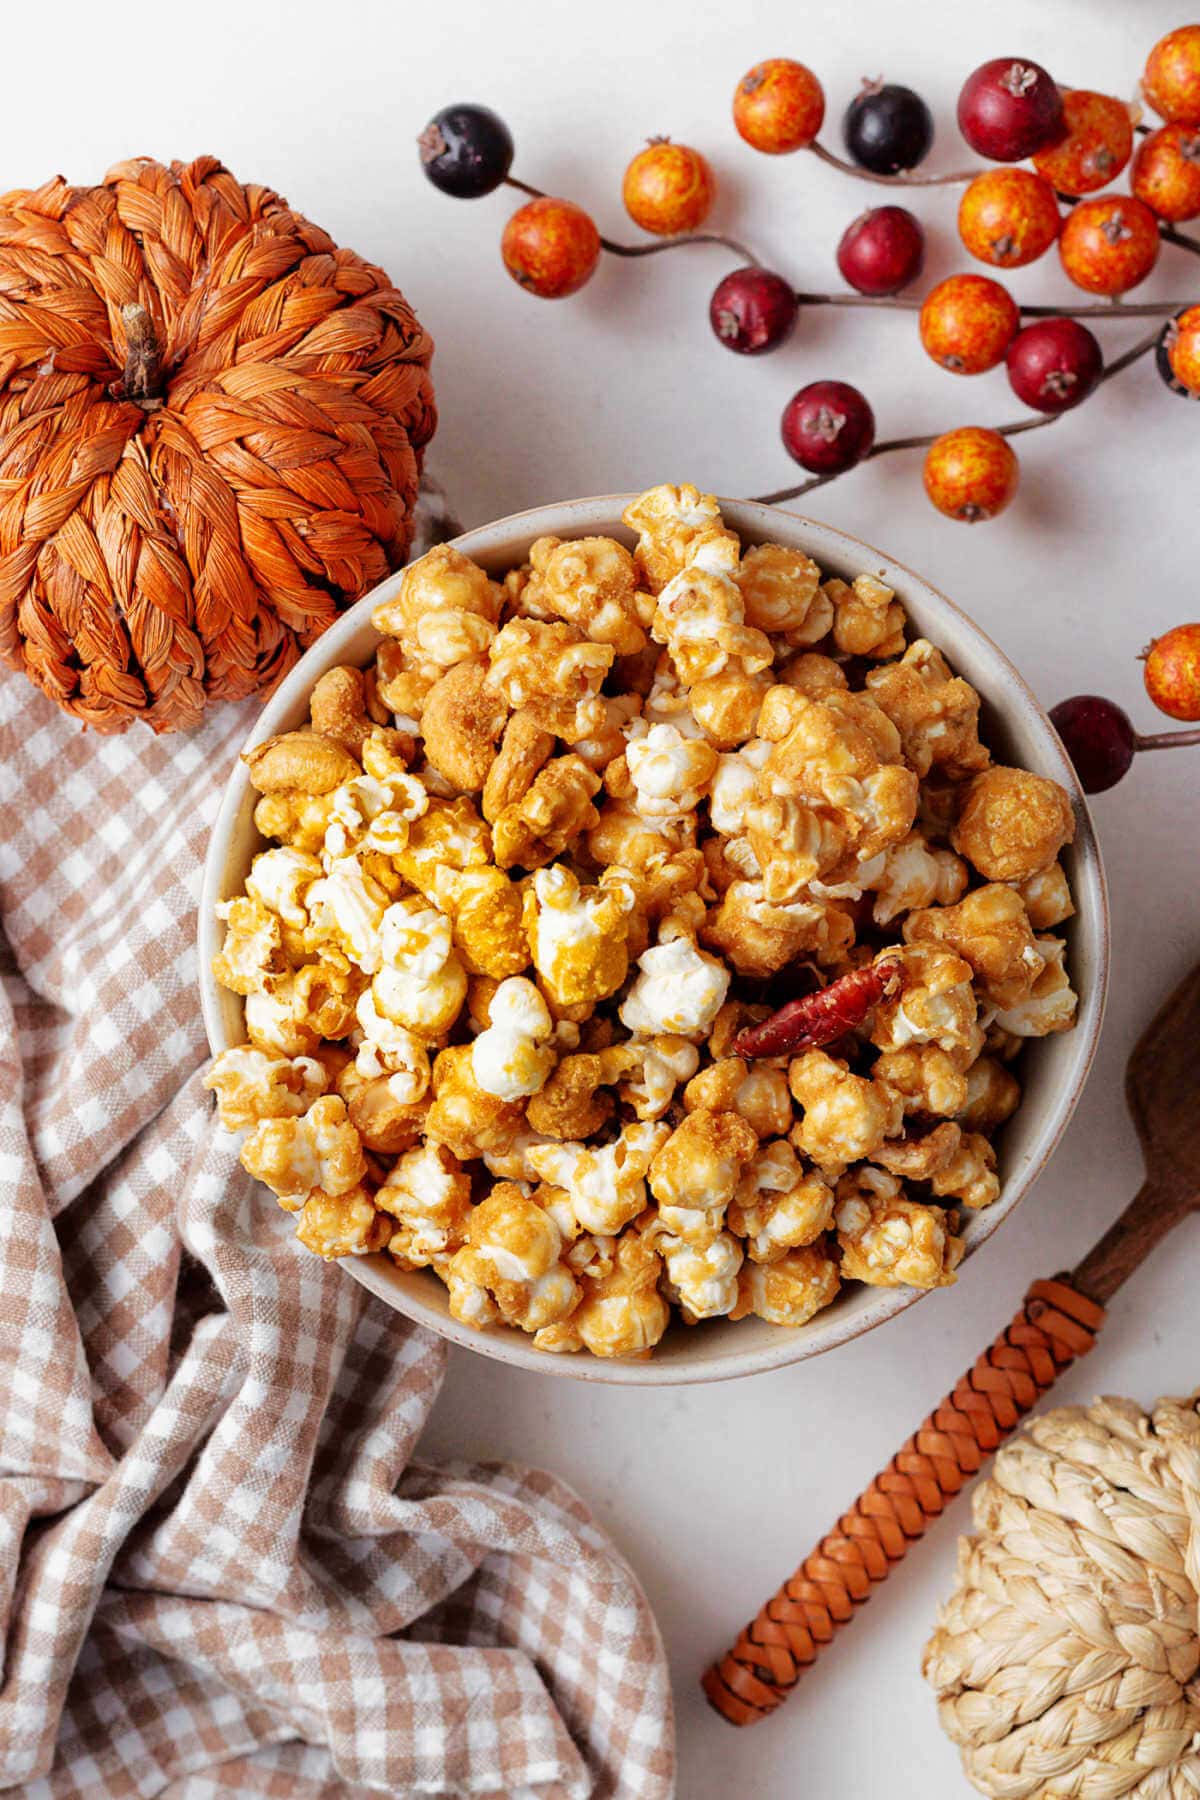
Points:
(1011, 113)
(1138, 350)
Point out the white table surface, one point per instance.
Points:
(715, 1492)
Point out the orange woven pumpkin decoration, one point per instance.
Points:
(211, 426)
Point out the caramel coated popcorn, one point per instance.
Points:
(528, 876)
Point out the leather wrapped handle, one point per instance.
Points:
(1055, 1325)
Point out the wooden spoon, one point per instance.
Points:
(1057, 1323)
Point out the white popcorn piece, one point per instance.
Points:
(669, 772)
(348, 906)
(577, 934)
(252, 1084)
(429, 1195)
(251, 958)
(606, 1185)
(915, 874)
(679, 989)
(374, 813)
(789, 1292)
(514, 1249)
(272, 1022)
(701, 617)
(470, 1301)
(279, 879)
(734, 786)
(888, 1240)
(295, 1156)
(705, 1281)
(1051, 1006)
(665, 1062)
(420, 982)
(392, 1050)
(512, 1058)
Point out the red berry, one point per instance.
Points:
(1054, 364)
(967, 323)
(1009, 108)
(1171, 82)
(971, 474)
(1099, 738)
(752, 311)
(778, 106)
(828, 427)
(668, 188)
(1109, 244)
(1098, 144)
(1181, 338)
(551, 247)
(1172, 672)
(1166, 172)
(1008, 217)
(881, 251)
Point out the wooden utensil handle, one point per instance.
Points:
(1055, 1325)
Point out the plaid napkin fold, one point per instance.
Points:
(220, 1569)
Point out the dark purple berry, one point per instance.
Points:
(466, 151)
(1054, 364)
(1162, 363)
(881, 251)
(887, 128)
(828, 427)
(1099, 739)
(1009, 108)
(752, 311)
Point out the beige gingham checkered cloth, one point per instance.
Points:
(220, 1569)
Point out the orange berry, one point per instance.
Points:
(968, 322)
(551, 247)
(1166, 172)
(668, 188)
(778, 106)
(1172, 672)
(1109, 244)
(1183, 349)
(1008, 217)
(1098, 144)
(1171, 82)
(971, 474)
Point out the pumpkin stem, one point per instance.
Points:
(143, 373)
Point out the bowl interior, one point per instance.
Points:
(1015, 728)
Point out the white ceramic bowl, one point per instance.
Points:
(1013, 725)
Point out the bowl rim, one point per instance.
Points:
(602, 513)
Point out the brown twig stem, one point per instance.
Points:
(672, 243)
(1104, 309)
(1180, 239)
(904, 180)
(1166, 740)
